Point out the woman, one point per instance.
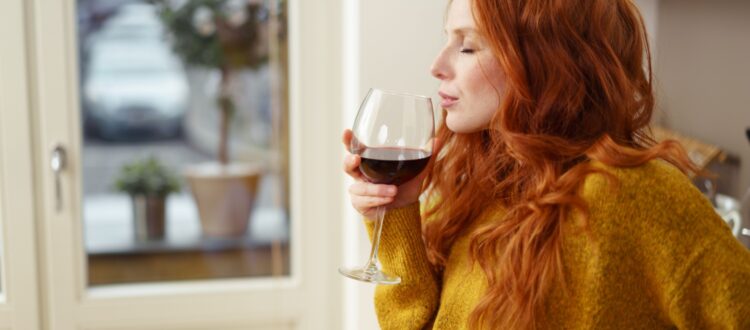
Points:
(549, 205)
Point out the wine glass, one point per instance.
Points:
(393, 135)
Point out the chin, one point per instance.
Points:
(457, 125)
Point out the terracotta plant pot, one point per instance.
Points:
(224, 195)
(148, 217)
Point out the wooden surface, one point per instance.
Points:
(258, 261)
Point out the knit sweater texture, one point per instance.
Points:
(657, 257)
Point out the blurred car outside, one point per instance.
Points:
(134, 87)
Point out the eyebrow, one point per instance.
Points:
(462, 30)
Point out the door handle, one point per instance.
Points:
(57, 164)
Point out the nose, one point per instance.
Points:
(440, 68)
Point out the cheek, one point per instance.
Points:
(485, 86)
(487, 83)
(481, 90)
(476, 82)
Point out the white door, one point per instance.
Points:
(18, 271)
(108, 92)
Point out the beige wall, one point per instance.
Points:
(399, 40)
(703, 77)
(650, 12)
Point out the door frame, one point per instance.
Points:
(19, 302)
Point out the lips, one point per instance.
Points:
(448, 100)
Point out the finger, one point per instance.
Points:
(373, 190)
(351, 166)
(346, 138)
(362, 203)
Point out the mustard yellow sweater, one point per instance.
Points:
(660, 259)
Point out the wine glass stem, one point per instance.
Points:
(372, 263)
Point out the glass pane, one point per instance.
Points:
(185, 156)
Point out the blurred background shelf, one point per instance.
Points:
(115, 256)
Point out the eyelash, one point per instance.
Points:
(467, 51)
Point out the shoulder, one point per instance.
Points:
(655, 182)
(656, 175)
(654, 197)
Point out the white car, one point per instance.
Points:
(134, 85)
(134, 20)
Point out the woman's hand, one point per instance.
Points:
(366, 197)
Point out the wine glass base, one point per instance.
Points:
(377, 277)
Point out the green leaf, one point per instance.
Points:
(147, 177)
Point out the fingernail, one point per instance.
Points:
(391, 190)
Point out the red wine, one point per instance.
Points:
(392, 165)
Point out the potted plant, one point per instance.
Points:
(222, 35)
(148, 183)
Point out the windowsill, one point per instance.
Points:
(109, 228)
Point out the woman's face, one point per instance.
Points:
(472, 81)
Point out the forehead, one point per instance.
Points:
(459, 16)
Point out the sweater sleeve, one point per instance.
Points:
(412, 303)
(714, 291)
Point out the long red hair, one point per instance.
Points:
(578, 88)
